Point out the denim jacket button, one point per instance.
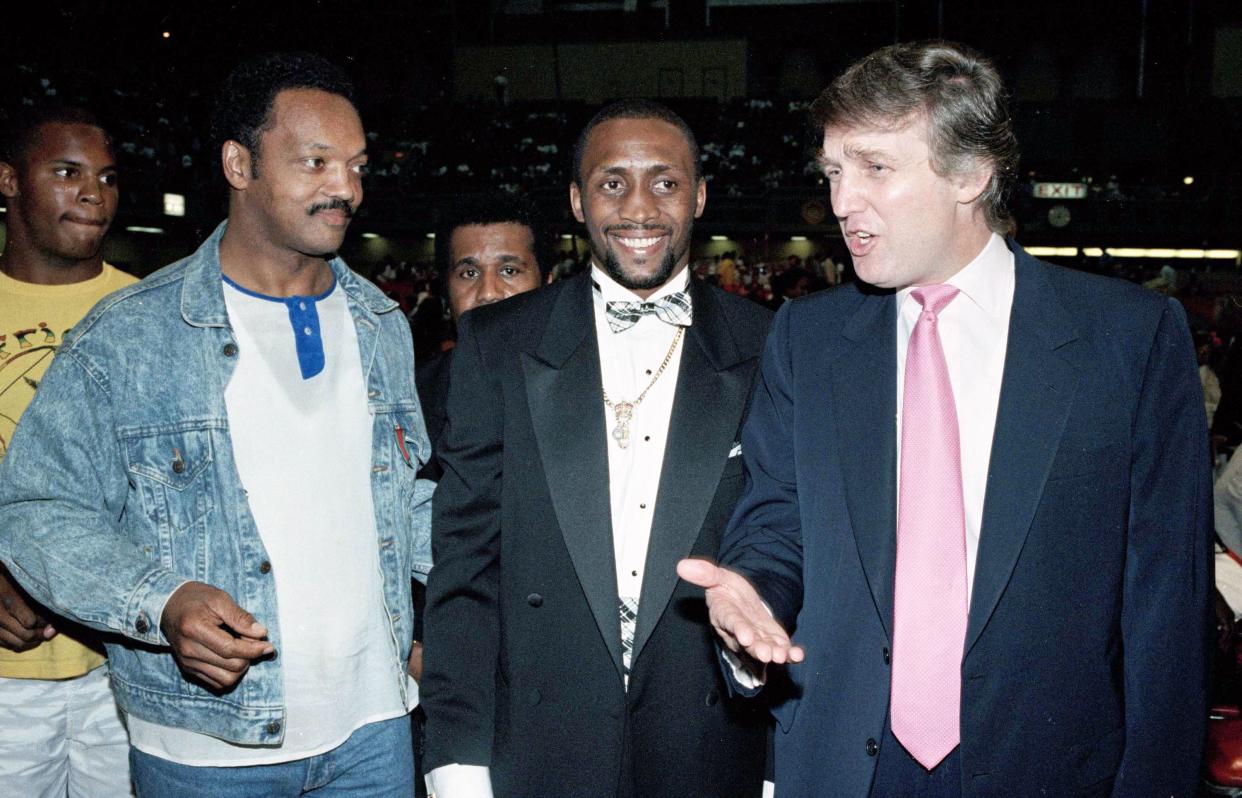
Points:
(141, 625)
(273, 727)
(265, 567)
(230, 349)
(178, 466)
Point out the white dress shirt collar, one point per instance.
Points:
(977, 280)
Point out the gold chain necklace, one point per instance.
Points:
(623, 411)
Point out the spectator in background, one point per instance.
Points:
(1205, 348)
(489, 247)
(726, 272)
(60, 730)
(1227, 422)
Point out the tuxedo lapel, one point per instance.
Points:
(1037, 390)
(565, 395)
(864, 397)
(707, 408)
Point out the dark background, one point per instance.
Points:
(1128, 96)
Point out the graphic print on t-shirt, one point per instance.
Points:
(25, 354)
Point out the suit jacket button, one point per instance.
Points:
(533, 697)
(888, 656)
(534, 600)
(872, 747)
(712, 698)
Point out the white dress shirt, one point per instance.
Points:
(628, 360)
(974, 331)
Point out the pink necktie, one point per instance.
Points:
(930, 604)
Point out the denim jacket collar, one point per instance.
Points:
(202, 293)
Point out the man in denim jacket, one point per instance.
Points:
(219, 468)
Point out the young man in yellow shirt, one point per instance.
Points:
(60, 733)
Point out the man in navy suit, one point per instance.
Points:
(978, 486)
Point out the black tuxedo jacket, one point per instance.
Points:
(1085, 661)
(523, 640)
(431, 377)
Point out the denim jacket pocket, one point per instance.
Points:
(402, 445)
(171, 470)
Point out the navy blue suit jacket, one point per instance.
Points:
(1085, 658)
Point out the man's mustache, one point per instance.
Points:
(332, 205)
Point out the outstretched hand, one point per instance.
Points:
(213, 639)
(739, 616)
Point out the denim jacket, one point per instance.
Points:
(120, 485)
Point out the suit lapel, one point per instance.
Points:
(707, 409)
(1037, 390)
(864, 405)
(564, 393)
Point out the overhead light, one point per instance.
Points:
(4, 210)
(370, 235)
(1189, 180)
(431, 235)
(720, 238)
(174, 205)
(566, 237)
(136, 228)
(1093, 252)
(797, 238)
(167, 34)
(1053, 252)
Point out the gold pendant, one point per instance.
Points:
(623, 411)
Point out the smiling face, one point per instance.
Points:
(488, 263)
(904, 224)
(638, 199)
(304, 184)
(63, 196)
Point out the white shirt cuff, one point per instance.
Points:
(459, 781)
(744, 676)
(769, 789)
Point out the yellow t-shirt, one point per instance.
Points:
(33, 322)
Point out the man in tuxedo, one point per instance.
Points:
(592, 443)
(978, 489)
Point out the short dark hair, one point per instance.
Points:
(243, 108)
(958, 90)
(635, 109)
(497, 207)
(22, 130)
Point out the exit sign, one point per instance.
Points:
(1061, 191)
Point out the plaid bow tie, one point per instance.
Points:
(672, 309)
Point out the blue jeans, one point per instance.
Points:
(375, 762)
